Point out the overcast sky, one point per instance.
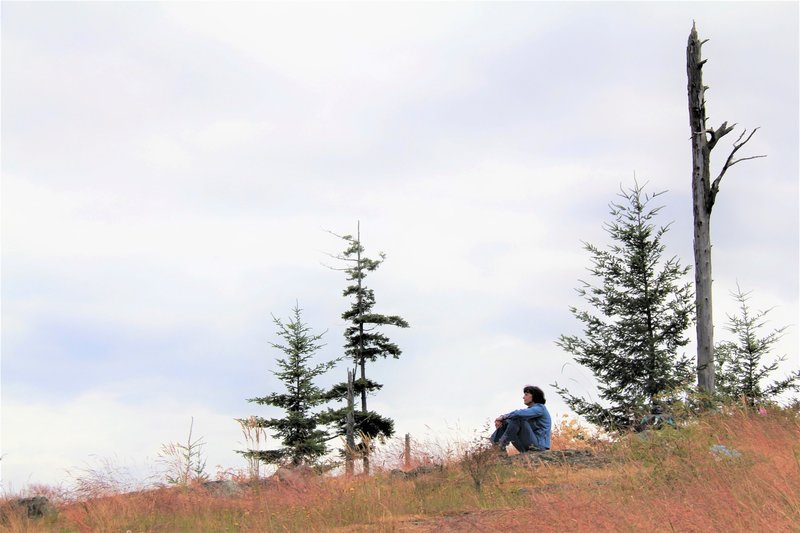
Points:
(170, 172)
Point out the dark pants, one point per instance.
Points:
(516, 431)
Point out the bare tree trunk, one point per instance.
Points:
(407, 452)
(350, 442)
(704, 193)
(701, 179)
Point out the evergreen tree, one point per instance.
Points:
(642, 312)
(740, 372)
(364, 343)
(303, 442)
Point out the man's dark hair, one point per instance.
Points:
(536, 392)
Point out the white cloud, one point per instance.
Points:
(120, 422)
(167, 184)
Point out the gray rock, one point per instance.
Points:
(723, 452)
(35, 506)
(224, 487)
(415, 472)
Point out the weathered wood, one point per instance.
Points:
(701, 177)
(704, 194)
(407, 452)
(350, 438)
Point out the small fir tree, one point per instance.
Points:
(303, 442)
(642, 309)
(740, 369)
(364, 343)
(185, 463)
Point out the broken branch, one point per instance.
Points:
(715, 136)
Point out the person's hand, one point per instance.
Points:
(498, 422)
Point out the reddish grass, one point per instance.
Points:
(673, 483)
(659, 481)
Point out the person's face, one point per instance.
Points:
(527, 398)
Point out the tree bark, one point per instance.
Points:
(407, 452)
(701, 188)
(350, 442)
(704, 194)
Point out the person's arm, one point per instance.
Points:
(534, 411)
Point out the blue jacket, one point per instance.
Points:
(538, 418)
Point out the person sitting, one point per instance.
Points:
(527, 429)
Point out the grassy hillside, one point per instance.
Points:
(738, 471)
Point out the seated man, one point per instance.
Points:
(527, 429)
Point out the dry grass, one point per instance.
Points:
(659, 481)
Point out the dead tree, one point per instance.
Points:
(350, 439)
(407, 452)
(704, 194)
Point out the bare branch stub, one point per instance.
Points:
(718, 134)
(730, 161)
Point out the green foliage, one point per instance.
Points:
(740, 371)
(641, 313)
(302, 439)
(369, 423)
(364, 340)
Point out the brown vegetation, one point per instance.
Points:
(668, 480)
